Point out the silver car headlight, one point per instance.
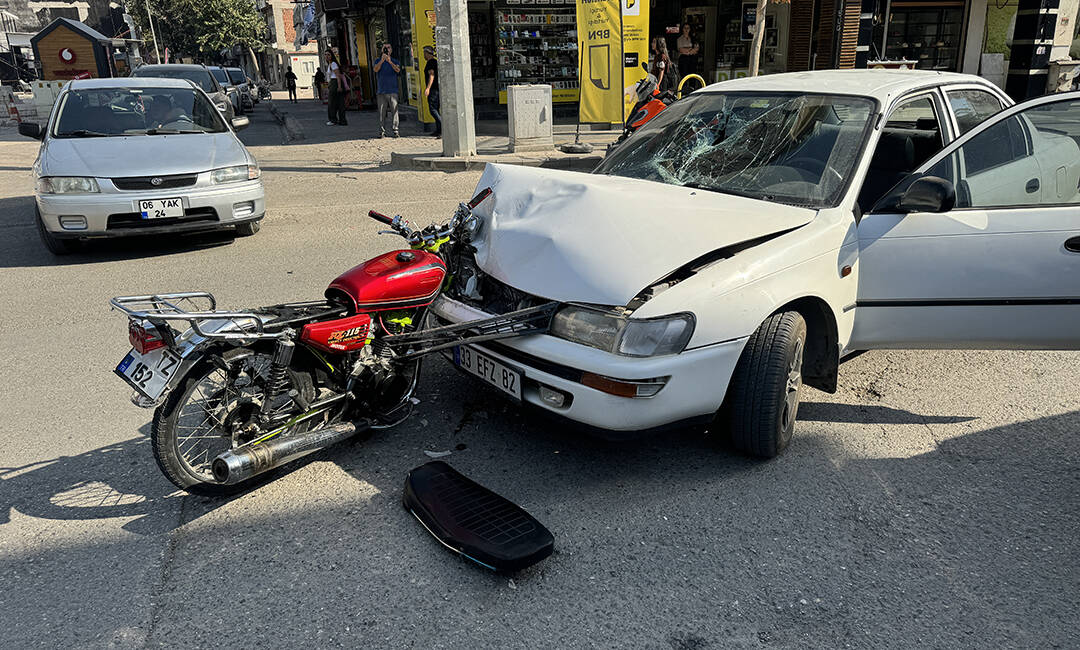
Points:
(632, 337)
(66, 185)
(235, 174)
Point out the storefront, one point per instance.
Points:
(929, 33)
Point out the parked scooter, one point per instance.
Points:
(651, 102)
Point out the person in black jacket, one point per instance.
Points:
(290, 83)
(431, 89)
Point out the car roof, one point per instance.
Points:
(130, 82)
(176, 66)
(883, 85)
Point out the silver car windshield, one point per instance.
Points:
(104, 112)
(785, 147)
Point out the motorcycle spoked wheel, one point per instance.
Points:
(202, 417)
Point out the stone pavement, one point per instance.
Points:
(305, 121)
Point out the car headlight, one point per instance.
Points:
(234, 174)
(632, 337)
(66, 185)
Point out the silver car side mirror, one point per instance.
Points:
(240, 123)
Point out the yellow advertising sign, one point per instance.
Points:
(599, 28)
(635, 44)
(423, 33)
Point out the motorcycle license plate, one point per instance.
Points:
(149, 373)
(161, 208)
(499, 375)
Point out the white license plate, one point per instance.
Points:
(497, 374)
(161, 208)
(149, 373)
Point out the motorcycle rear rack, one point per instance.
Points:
(532, 320)
(210, 323)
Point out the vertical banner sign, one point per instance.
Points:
(635, 44)
(423, 33)
(599, 28)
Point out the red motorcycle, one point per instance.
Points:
(238, 393)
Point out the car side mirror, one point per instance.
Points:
(32, 130)
(240, 123)
(928, 194)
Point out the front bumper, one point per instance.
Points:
(697, 379)
(114, 213)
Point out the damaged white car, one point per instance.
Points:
(749, 238)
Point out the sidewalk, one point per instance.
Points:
(305, 122)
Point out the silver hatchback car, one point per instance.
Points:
(140, 156)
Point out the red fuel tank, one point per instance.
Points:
(396, 280)
(340, 335)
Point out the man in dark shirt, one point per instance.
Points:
(431, 90)
(290, 83)
(387, 70)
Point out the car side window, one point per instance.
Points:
(972, 106)
(910, 136)
(1031, 158)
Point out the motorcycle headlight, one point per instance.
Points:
(66, 185)
(632, 337)
(471, 227)
(234, 174)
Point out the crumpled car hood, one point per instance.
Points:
(576, 237)
(141, 155)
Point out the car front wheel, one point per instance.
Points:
(56, 245)
(763, 397)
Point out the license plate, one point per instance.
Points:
(161, 208)
(497, 374)
(149, 373)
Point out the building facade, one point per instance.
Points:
(283, 47)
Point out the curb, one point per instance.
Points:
(434, 162)
(290, 125)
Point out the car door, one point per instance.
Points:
(1001, 268)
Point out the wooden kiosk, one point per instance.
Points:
(67, 49)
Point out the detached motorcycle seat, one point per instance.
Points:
(473, 521)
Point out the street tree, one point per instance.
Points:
(203, 28)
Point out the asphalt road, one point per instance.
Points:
(932, 501)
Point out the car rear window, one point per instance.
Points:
(220, 75)
(237, 76)
(199, 75)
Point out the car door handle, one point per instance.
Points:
(1032, 186)
(1073, 244)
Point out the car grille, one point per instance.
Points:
(134, 220)
(146, 182)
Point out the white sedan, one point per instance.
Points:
(758, 232)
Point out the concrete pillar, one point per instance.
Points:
(973, 38)
(455, 77)
(1063, 34)
(866, 33)
(1033, 38)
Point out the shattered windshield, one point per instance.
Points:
(789, 148)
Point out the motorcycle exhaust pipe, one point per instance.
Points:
(240, 464)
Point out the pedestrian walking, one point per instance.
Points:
(290, 83)
(431, 91)
(386, 88)
(339, 85)
(665, 71)
(319, 80)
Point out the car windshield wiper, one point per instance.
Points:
(81, 133)
(727, 190)
(161, 131)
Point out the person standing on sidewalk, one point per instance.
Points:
(290, 83)
(319, 80)
(338, 87)
(386, 75)
(431, 91)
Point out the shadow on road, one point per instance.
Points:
(870, 414)
(20, 244)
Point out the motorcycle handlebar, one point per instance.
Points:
(479, 198)
(377, 216)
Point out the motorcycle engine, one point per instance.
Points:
(380, 386)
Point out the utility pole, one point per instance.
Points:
(759, 36)
(455, 78)
(153, 35)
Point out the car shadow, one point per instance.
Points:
(871, 414)
(21, 245)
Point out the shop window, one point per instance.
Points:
(928, 34)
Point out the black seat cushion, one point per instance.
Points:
(473, 521)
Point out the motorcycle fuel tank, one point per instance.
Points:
(395, 280)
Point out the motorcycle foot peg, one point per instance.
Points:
(299, 400)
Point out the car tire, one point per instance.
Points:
(763, 397)
(248, 229)
(56, 245)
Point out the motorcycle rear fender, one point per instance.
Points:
(191, 348)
